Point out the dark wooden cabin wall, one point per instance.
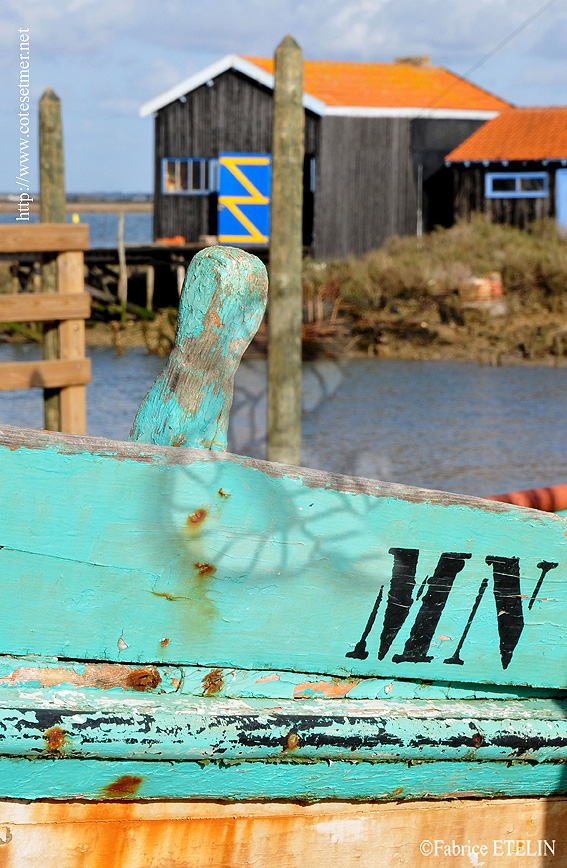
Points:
(234, 114)
(432, 140)
(365, 188)
(469, 195)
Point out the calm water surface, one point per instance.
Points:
(457, 427)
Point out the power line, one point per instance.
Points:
(496, 48)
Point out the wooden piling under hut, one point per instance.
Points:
(285, 308)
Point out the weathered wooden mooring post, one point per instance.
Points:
(285, 295)
(51, 210)
(122, 270)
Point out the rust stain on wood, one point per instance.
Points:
(126, 786)
(223, 493)
(143, 679)
(54, 738)
(205, 569)
(119, 834)
(104, 676)
(195, 519)
(213, 682)
(292, 741)
(165, 641)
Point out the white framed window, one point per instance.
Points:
(189, 176)
(516, 185)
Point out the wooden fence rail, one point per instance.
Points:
(69, 306)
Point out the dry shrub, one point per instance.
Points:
(533, 265)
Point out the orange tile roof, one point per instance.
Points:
(389, 85)
(517, 134)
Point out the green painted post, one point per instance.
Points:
(285, 296)
(51, 210)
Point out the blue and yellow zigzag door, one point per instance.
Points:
(244, 199)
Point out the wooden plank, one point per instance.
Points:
(38, 307)
(51, 374)
(32, 778)
(134, 725)
(503, 832)
(286, 238)
(261, 566)
(51, 210)
(43, 237)
(222, 305)
(38, 672)
(72, 399)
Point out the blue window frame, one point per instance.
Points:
(516, 185)
(189, 176)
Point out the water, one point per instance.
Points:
(456, 427)
(103, 226)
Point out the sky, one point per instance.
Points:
(104, 58)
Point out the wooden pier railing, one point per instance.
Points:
(69, 306)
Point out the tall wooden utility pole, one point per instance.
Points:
(285, 305)
(51, 210)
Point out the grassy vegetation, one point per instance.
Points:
(397, 297)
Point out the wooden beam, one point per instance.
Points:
(285, 300)
(51, 210)
(150, 281)
(36, 307)
(176, 728)
(203, 523)
(50, 374)
(72, 400)
(122, 290)
(43, 238)
(51, 169)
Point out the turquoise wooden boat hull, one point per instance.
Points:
(182, 623)
(235, 616)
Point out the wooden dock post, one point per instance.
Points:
(285, 295)
(150, 281)
(122, 271)
(51, 210)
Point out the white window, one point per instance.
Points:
(516, 185)
(189, 176)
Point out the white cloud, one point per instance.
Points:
(108, 56)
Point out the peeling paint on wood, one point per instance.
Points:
(333, 589)
(221, 307)
(69, 778)
(215, 627)
(93, 724)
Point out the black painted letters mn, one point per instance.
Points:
(439, 587)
